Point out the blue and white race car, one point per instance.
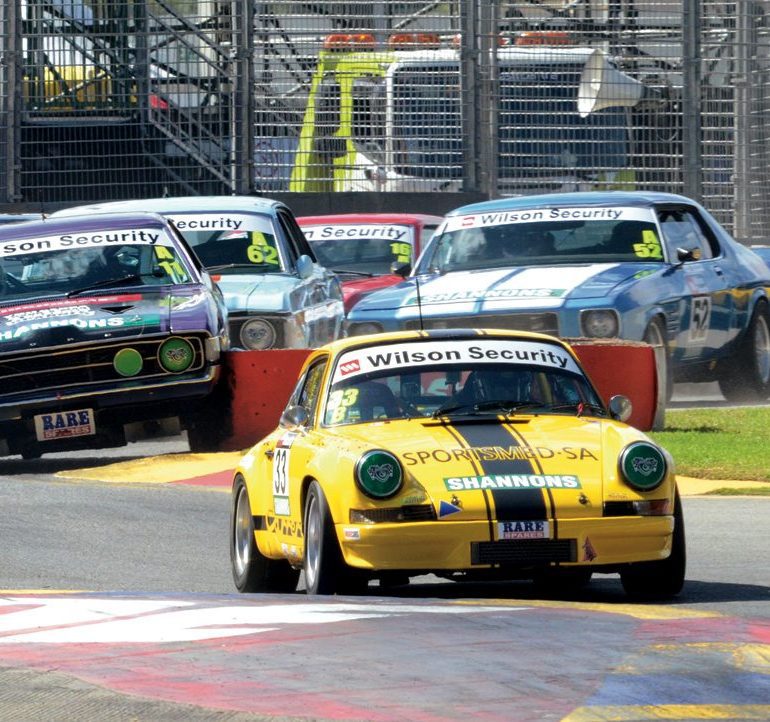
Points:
(642, 266)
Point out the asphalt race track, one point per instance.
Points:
(428, 652)
(370, 658)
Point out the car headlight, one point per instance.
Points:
(643, 466)
(257, 334)
(176, 355)
(361, 329)
(378, 474)
(600, 323)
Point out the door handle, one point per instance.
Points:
(269, 453)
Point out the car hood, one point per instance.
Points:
(257, 292)
(57, 321)
(354, 290)
(524, 468)
(505, 288)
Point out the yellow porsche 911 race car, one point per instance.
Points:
(468, 454)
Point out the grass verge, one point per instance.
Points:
(713, 443)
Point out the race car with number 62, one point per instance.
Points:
(470, 454)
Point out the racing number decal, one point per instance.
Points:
(339, 403)
(260, 250)
(700, 318)
(402, 252)
(649, 247)
(281, 475)
(170, 265)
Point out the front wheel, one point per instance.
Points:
(252, 571)
(324, 566)
(660, 579)
(322, 560)
(748, 376)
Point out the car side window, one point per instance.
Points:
(308, 391)
(426, 234)
(682, 229)
(296, 238)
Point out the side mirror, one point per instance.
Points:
(294, 417)
(304, 266)
(688, 254)
(400, 268)
(620, 408)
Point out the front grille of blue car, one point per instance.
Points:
(524, 552)
(84, 366)
(539, 322)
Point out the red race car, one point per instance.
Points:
(363, 247)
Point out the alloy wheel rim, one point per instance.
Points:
(762, 349)
(241, 533)
(312, 537)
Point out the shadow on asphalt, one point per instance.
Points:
(52, 465)
(603, 589)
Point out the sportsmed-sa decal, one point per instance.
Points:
(496, 453)
(429, 353)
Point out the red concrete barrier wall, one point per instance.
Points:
(258, 385)
(627, 368)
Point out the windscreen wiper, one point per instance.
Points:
(365, 274)
(223, 266)
(505, 406)
(105, 284)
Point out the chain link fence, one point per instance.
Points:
(112, 99)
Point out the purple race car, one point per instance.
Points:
(110, 332)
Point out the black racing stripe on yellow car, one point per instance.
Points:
(516, 433)
(477, 468)
(518, 504)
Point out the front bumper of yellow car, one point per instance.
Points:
(457, 545)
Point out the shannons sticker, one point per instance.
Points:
(536, 215)
(512, 481)
(68, 303)
(487, 294)
(86, 324)
(497, 289)
(136, 236)
(471, 352)
(187, 222)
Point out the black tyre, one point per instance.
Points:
(747, 377)
(655, 335)
(325, 570)
(661, 579)
(252, 571)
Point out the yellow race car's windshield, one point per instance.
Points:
(454, 389)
